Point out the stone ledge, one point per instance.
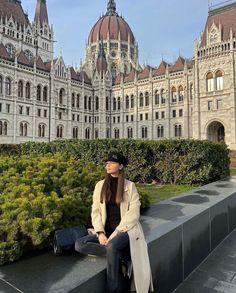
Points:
(180, 232)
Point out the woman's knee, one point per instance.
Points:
(79, 245)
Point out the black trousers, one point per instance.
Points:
(114, 251)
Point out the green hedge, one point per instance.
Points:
(167, 161)
(39, 194)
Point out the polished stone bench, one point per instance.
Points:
(181, 233)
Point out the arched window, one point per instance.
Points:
(87, 133)
(163, 98)
(23, 129)
(178, 130)
(173, 95)
(144, 132)
(107, 103)
(59, 131)
(41, 130)
(146, 99)
(3, 128)
(113, 70)
(11, 50)
(78, 101)
(116, 133)
(96, 133)
(75, 132)
(114, 104)
(130, 132)
(90, 103)
(181, 93)
(39, 93)
(97, 103)
(132, 101)
(85, 102)
(191, 91)
(45, 94)
(210, 82)
(8, 86)
(27, 90)
(29, 55)
(141, 100)
(157, 98)
(1, 83)
(219, 81)
(73, 100)
(160, 131)
(127, 102)
(20, 89)
(61, 96)
(118, 103)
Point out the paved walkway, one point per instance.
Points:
(217, 273)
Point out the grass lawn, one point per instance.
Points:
(161, 192)
(233, 171)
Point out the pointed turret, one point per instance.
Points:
(101, 65)
(111, 8)
(41, 14)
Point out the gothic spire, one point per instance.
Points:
(111, 8)
(41, 14)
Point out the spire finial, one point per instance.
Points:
(111, 7)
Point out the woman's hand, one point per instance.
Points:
(113, 235)
(102, 238)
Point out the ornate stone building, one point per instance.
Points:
(111, 95)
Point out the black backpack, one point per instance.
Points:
(64, 239)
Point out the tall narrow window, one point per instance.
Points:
(210, 82)
(8, 86)
(114, 104)
(78, 101)
(116, 133)
(27, 90)
(39, 93)
(178, 130)
(73, 100)
(59, 131)
(147, 99)
(97, 103)
(160, 131)
(141, 100)
(174, 95)
(191, 91)
(61, 96)
(20, 89)
(219, 80)
(157, 98)
(132, 101)
(127, 102)
(163, 98)
(181, 93)
(118, 103)
(45, 94)
(1, 82)
(90, 103)
(144, 132)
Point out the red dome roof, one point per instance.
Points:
(112, 24)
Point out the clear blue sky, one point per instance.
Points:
(162, 28)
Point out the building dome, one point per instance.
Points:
(111, 26)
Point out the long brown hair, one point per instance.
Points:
(106, 192)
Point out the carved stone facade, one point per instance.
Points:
(42, 99)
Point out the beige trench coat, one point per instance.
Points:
(130, 212)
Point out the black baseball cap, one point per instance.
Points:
(118, 158)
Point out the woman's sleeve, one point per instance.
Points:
(96, 211)
(131, 217)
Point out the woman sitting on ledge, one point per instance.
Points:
(115, 218)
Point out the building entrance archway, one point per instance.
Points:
(216, 131)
